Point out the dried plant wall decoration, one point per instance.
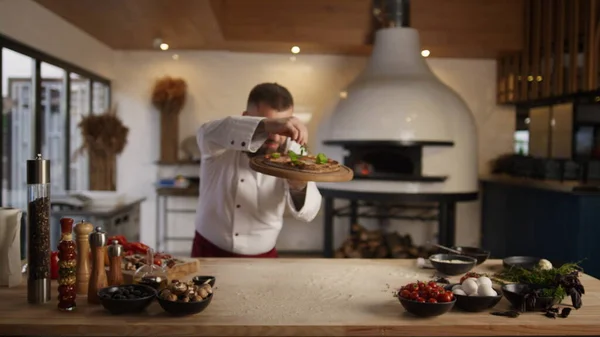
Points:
(168, 96)
(104, 137)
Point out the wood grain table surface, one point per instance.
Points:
(296, 297)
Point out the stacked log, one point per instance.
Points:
(374, 244)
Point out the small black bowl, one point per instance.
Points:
(480, 254)
(476, 303)
(515, 294)
(452, 269)
(184, 308)
(129, 305)
(201, 279)
(525, 262)
(425, 309)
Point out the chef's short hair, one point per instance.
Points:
(272, 94)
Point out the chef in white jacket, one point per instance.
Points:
(240, 211)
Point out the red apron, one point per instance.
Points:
(204, 248)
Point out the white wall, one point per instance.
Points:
(30, 23)
(218, 84)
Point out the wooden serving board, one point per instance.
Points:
(344, 174)
(178, 271)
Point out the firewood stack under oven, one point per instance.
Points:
(376, 244)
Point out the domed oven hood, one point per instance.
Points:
(398, 96)
(398, 106)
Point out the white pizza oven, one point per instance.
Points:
(399, 127)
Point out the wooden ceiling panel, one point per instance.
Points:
(330, 21)
(449, 28)
(134, 24)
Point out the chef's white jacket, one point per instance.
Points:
(240, 210)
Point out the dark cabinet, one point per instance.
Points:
(559, 225)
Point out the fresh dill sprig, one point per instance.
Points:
(544, 279)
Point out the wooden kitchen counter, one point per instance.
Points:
(318, 297)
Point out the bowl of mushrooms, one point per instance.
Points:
(186, 298)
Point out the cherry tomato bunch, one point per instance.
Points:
(426, 292)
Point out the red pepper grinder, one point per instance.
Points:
(67, 266)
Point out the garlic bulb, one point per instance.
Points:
(545, 264)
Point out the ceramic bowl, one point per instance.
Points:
(118, 306)
(480, 254)
(439, 262)
(525, 262)
(476, 303)
(177, 308)
(201, 279)
(515, 294)
(425, 309)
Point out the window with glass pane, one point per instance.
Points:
(54, 138)
(100, 97)
(18, 115)
(80, 106)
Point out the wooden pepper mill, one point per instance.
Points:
(115, 274)
(67, 260)
(98, 274)
(82, 232)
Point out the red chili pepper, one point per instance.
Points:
(54, 265)
(122, 240)
(139, 247)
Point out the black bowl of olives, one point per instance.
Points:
(126, 299)
(185, 298)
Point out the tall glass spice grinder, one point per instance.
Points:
(98, 274)
(38, 230)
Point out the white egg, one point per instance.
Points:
(457, 286)
(484, 280)
(459, 292)
(473, 279)
(485, 290)
(470, 286)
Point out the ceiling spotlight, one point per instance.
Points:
(295, 50)
(157, 42)
(425, 52)
(164, 46)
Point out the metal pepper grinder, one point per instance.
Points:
(115, 274)
(98, 274)
(38, 230)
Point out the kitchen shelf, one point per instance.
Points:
(178, 163)
(405, 178)
(162, 211)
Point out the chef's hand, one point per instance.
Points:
(297, 186)
(290, 127)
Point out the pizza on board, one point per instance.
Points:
(302, 163)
